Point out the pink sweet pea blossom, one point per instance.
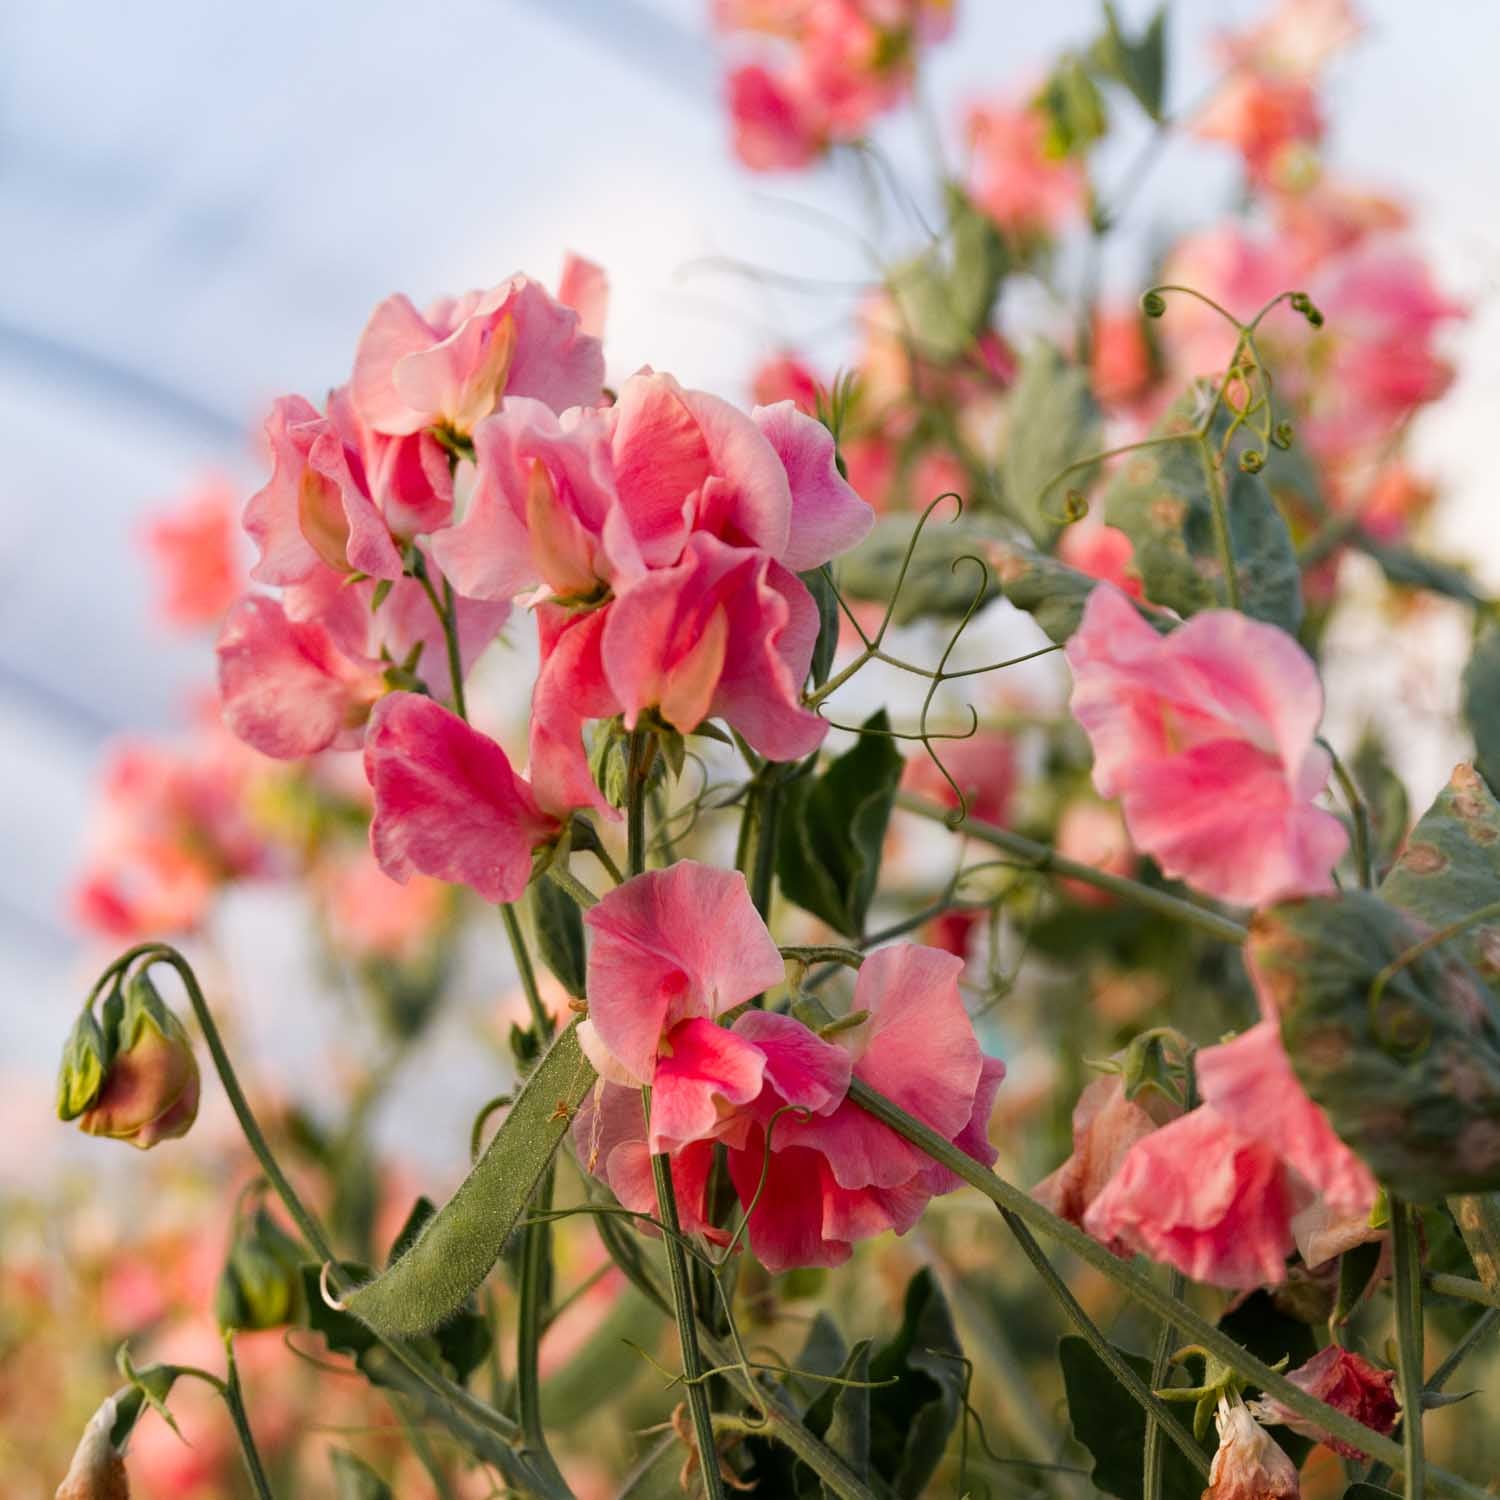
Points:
(1272, 122)
(1206, 737)
(1346, 1381)
(1249, 1465)
(775, 128)
(1025, 191)
(193, 549)
(1103, 552)
(1200, 1196)
(842, 1176)
(447, 803)
(452, 365)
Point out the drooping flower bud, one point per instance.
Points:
(98, 1468)
(1248, 1465)
(149, 1085)
(84, 1060)
(1352, 1384)
(261, 1283)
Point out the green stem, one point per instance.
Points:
(1408, 1294)
(1145, 1291)
(1478, 1218)
(1220, 508)
(1157, 1415)
(637, 764)
(1161, 1356)
(1464, 1347)
(560, 876)
(446, 609)
(234, 1399)
(526, 971)
(1048, 861)
(1359, 814)
(535, 1292)
(1462, 1286)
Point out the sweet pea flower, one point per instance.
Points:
(1344, 1380)
(1198, 1195)
(1273, 122)
(193, 549)
(1024, 190)
(842, 1176)
(448, 803)
(1206, 737)
(454, 364)
(1249, 1465)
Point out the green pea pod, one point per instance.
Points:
(1398, 1042)
(460, 1244)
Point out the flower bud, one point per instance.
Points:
(261, 1284)
(1252, 460)
(149, 1089)
(1249, 1465)
(84, 1060)
(98, 1468)
(1153, 304)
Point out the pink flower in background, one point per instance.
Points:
(787, 377)
(774, 126)
(1093, 833)
(984, 766)
(1105, 1126)
(1272, 122)
(1206, 737)
(1023, 189)
(1198, 1195)
(1103, 552)
(369, 915)
(452, 365)
(1344, 1380)
(1121, 364)
(447, 803)
(193, 548)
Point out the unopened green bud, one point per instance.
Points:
(150, 1084)
(1153, 304)
(1282, 435)
(1252, 460)
(608, 761)
(85, 1057)
(261, 1284)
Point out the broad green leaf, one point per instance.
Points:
(559, 933)
(912, 1420)
(354, 1479)
(945, 295)
(1482, 703)
(841, 1416)
(1108, 1422)
(933, 588)
(460, 1244)
(1384, 794)
(1159, 498)
(1052, 421)
(1409, 1078)
(1412, 570)
(823, 1352)
(832, 829)
(1139, 64)
(828, 626)
(1450, 867)
(1073, 108)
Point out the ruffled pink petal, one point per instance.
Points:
(1200, 1196)
(447, 803)
(274, 514)
(702, 1073)
(974, 1139)
(1249, 1082)
(570, 689)
(395, 330)
(801, 1069)
(557, 361)
(827, 516)
(286, 688)
(585, 288)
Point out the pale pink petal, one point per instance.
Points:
(395, 330)
(585, 288)
(1199, 1196)
(704, 1071)
(1249, 1082)
(827, 516)
(285, 687)
(447, 803)
(274, 514)
(556, 360)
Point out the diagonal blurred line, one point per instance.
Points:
(76, 716)
(108, 377)
(636, 34)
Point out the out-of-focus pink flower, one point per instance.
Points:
(368, 915)
(1297, 39)
(1250, 1083)
(669, 946)
(1395, 502)
(447, 803)
(1023, 189)
(1103, 552)
(194, 552)
(1093, 833)
(452, 365)
(984, 766)
(1328, 219)
(775, 128)
(843, 1176)
(1198, 1195)
(787, 377)
(1344, 1380)
(1105, 1126)
(286, 688)
(1249, 1465)
(1272, 122)
(1206, 737)
(1121, 364)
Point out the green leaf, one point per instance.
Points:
(558, 924)
(1051, 592)
(459, 1246)
(1450, 866)
(1052, 421)
(841, 1416)
(1410, 569)
(821, 589)
(1482, 703)
(912, 1420)
(823, 1353)
(945, 295)
(1411, 1083)
(1108, 1422)
(343, 1333)
(1385, 796)
(1140, 65)
(1073, 107)
(354, 1479)
(933, 588)
(832, 829)
(1159, 498)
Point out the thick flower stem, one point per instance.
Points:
(235, 1401)
(1151, 1476)
(526, 973)
(1047, 861)
(1408, 1294)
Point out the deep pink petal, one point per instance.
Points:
(570, 689)
(801, 1069)
(827, 516)
(703, 1072)
(447, 803)
(786, 1221)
